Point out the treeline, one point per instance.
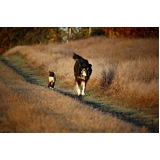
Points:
(132, 32)
(13, 36)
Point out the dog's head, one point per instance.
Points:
(51, 74)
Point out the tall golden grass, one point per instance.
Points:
(27, 107)
(125, 70)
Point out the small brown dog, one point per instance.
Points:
(51, 79)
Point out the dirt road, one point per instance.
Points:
(26, 107)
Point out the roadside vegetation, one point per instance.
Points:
(125, 71)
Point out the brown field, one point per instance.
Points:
(27, 107)
(125, 70)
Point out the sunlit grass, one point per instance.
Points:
(124, 70)
(31, 108)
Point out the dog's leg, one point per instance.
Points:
(78, 89)
(82, 88)
(53, 85)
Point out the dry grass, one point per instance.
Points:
(126, 70)
(26, 107)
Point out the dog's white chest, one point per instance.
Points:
(51, 79)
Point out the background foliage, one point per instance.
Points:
(132, 32)
(13, 36)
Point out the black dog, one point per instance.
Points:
(82, 73)
(51, 79)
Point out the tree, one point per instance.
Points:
(12, 36)
(131, 32)
(74, 33)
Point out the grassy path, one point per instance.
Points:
(71, 117)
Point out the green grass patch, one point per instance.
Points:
(19, 64)
(18, 60)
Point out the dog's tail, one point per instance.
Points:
(76, 56)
